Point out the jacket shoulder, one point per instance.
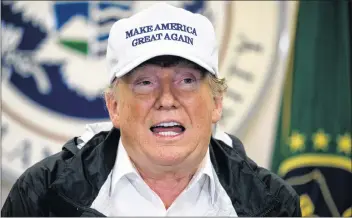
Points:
(264, 183)
(27, 195)
(289, 203)
(44, 172)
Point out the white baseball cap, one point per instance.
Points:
(161, 29)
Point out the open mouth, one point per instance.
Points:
(169, 129)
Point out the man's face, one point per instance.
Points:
(165, 114)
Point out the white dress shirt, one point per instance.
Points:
(125, 193)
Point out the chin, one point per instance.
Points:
(169, 156)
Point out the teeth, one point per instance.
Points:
(166, 124)
(169, 133)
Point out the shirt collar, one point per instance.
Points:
(210, 172)
(206, 169)
(123, 166)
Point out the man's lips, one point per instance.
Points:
(168, 128)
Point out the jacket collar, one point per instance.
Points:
(239, 177)
(88, 169)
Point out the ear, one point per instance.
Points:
(113, 108)
(217, 110)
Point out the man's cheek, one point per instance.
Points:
(136, 113)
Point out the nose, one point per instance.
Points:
(166, 99)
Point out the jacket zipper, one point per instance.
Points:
(82, 208)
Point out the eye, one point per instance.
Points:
(144, 83)
(189, 80)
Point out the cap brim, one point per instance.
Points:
(142, 58)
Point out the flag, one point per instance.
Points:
(313, 141)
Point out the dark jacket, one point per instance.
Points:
(67, 183)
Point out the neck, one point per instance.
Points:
(167, 185)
